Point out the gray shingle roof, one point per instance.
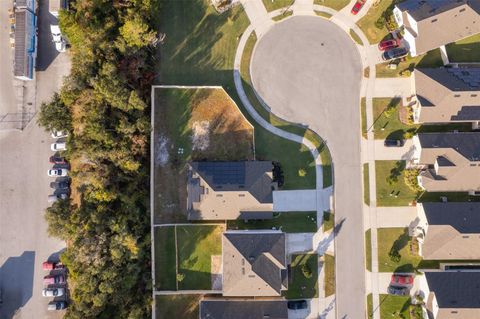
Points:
(465, 143)
(455, 289)
(464, 217)
(244, 309)
(424, 9)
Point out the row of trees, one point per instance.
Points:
(104, 106)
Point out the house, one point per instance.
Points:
(451, 294)
(429, 24)
(449, 231)
(447, 95)
(450, 161)
(230, 190)
(25, 45)
(241, 309)
(254, 263)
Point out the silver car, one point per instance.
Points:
(53, 292)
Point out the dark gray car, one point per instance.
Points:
(397, 290)
(395, 53)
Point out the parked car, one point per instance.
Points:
(58, 147)
(394, 53)
(53, 292)
(60, 185)
(51, 265)
(390, 142)
(60, 43)
(56, 305)
(53, 279)
(388, 44)
(57, 172)
(358, 6)
(55, 159)
(297, 304)
(402, 280)
(54, 197)
(397, 290)
(59, 134)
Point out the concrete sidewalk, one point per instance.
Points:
(258, 16)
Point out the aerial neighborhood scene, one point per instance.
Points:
(240, 159)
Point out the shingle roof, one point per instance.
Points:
(226, 190)
(465, 143)
(254, 263)
(464, 217)
(424, 9)
(243, 309)
(455, 290)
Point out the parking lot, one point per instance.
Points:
(24, 189)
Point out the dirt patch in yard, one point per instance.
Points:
(192, 124)
(216, 270)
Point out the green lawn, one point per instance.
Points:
(299, 285)
(396, 253)
(283, 15)
(329, 275)
(367, 23)
(334, 4)
(397, 194)
(177, 306)
(366, 184)
(363, 111)
(369, 306)
(328, 221)
(387, 123)
(196, 246)
(271, 5)
(368, 249)
(394, 307)
(165, 258)
(431, 59)
(466, 50)
(355, 37)
(289, 222)
(322, 14)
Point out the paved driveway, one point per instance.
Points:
(308, 71)
(295, 200)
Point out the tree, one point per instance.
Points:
(137, 33)
(55, 115)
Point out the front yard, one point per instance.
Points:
(303, 277)
(398, 193)
(334, 4)
(396, 251)
(272, 5)
(394, 307)
(466, 50)
(289, 222)
(196, 249)
(368, 249)
(375, 32)
(431, 59)
(329, 264)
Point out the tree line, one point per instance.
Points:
(104, 105)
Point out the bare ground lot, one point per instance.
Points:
(192, 124)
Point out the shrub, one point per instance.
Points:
(410, 178)
(380, 23)
(302, 172)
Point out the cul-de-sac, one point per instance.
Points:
(240, 159)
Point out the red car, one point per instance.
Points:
(50, 280)
(402, 280)
(388, 44)
(57, 160)
(50, 266)
(357, 6)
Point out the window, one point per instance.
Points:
(461, 10)
(473, 95)
(434, 20)
(456, 95)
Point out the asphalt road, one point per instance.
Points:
(24, 188)
(308, 71)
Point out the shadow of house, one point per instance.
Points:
(46, 48)
(16, 283)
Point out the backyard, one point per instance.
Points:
(289, 222)
(303, 277)
(396, 251)
(196, 251)
(391, 187)
(193, 124)
(466, 50)
(177, 306)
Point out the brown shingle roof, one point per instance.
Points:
(243, 309)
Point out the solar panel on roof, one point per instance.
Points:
(224, 172)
